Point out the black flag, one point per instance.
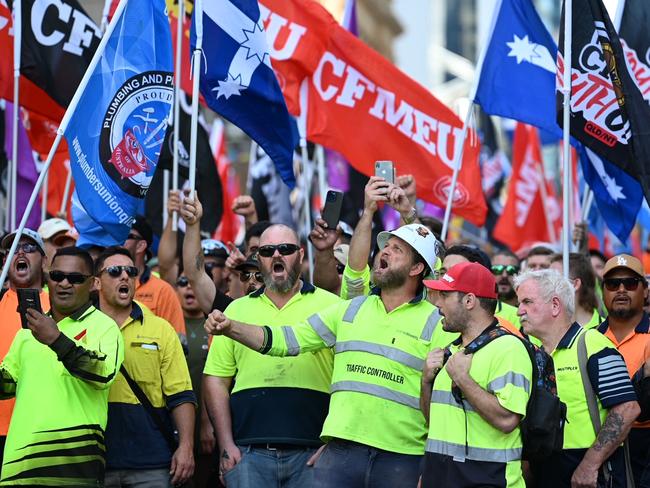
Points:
(635, 39)
(58, 42)
(208, 183)
(608, 112)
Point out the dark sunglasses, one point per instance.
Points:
(182, 282)
(27, 247)
(73, 278)
(244, 276)
(497, 269)
(135, 237)
(284, 249)
(210, 266)
(116, 271)
(630, 284)
(340, 268)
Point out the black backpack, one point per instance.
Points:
(542, 429)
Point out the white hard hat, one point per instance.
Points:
(419, 238)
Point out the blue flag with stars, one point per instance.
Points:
(517, 78)
(239, 83)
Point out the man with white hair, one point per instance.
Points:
(586, 366)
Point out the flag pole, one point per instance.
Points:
(196, 74)
(458, 150)
(566, 147)
(177, 101)
(322, 180)
(59, 135)
(618, 15)
(18, 34)
(302, 129)
(165, 197)
(46, 185)
(66, 193)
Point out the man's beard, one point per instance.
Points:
(390, 280)
(625, 313)
(282, 286)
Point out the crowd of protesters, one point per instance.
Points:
(404, 363)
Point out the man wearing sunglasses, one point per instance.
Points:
(60, 370)
(138, 452)
(505, 265)
(628, 327)
(546, 308)
(26, 271)
(155, 293)
(268, 426)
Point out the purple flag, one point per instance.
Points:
(349, 21)
(27, 173)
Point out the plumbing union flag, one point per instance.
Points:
(116, 133)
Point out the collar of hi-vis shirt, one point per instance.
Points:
(304, 290)
(569, 337)
(80, 314)
(136, 315)
(643, 327)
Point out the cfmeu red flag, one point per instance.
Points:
(527, 217)
(362, 106)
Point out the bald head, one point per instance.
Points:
(279, 234)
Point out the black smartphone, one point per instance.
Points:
(27, 298)
(332, 210)
(386, 170)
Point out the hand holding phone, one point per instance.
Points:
(386, 170)
(28, 298)
(331, 213)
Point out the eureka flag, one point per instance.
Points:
(117, 130)
(238, 81)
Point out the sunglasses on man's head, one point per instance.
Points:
(284, 249)
(244, 276)
(73, 278)
(116, 271)
(497, 269)
(630, 284)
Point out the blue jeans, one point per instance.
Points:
(273, 468)
(346, 464)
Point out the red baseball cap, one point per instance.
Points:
(466, 278)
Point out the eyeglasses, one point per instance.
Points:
(497, 269)
(182, 282)
(630, 284)
(340, 268)
(210, 266)
(244, 276)
(135, 237)
(28, 247)
(284, 249)
(116, 271)
(73, 278)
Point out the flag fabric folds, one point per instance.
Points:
(517, 78)
(238, 82)
(116, 132)
(528, 216)
(608, 112)
(635, 39)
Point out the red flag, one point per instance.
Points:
(31, 96)
(362, 106)
(230, 224)
(525, 218)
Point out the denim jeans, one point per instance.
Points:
(351, 465)
(279, 468)
(137, 478)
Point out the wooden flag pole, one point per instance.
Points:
(59, 135)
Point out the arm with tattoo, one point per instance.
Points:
(611, 435)
(193, 265)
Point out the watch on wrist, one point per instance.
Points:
(410, 217)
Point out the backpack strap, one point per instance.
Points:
(590, 395)
(146, 403)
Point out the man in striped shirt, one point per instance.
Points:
(592, 454)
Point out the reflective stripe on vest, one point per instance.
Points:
(353, 308)
(389, 352)
(447, 398)
(430, 326)
(510, 378)
(377, 391)
(321, 329)
(457, 451)
(293, 347)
